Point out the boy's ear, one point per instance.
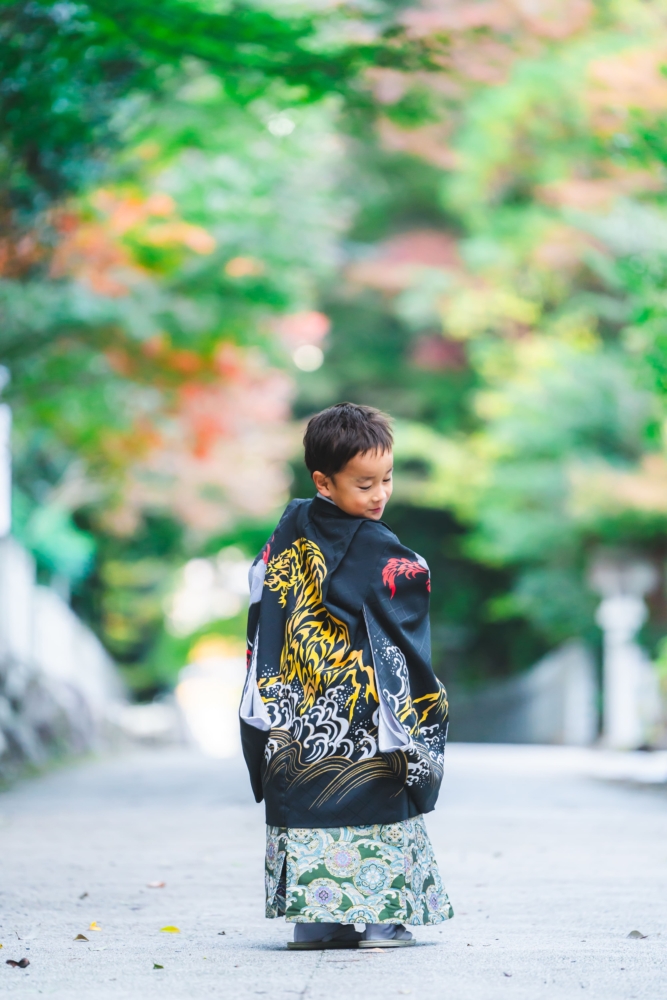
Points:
(321, 483)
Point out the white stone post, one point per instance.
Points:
(5, 460)
(631, 698)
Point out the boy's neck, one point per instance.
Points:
(328, 499)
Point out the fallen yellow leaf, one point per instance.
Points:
(171, 930)
(94, 926)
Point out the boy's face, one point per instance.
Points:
(362, 487)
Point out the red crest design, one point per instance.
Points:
(409, 568)
(266, 551)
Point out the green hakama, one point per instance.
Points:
(379, 874)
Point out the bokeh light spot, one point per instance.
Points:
(281, 125)
(308, 357)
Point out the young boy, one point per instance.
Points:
(343, 721)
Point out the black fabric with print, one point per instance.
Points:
(340, 624)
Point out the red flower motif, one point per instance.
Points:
(409, 568)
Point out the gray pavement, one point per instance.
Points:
(549, 868)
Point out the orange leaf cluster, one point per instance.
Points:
(95, 246)
(217, 454)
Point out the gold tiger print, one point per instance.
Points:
(317, 650)
(413, 714)
(436, 703)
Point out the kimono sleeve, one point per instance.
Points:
(253, 717)
(412, 698)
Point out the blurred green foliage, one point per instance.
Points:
(479, 210)
(67, 66)
(537, 438)
(138, 158)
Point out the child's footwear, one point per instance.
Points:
(386, 936)
(316, 937)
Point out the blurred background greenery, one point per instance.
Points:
(219, 217)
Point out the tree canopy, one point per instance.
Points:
(461, 205)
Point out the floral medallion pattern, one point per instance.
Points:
(355, 874)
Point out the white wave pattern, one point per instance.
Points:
(397, 665)
(322, 731)
(365, 744)
(419, 772)
(271, 746)
(283, 705)
(433, 739)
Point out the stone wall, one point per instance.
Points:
(58, 686)
(556, 701)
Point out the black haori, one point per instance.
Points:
(343, 721)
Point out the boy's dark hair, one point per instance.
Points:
(337, 434)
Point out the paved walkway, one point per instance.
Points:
(549, 870)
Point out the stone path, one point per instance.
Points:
(549, 870)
